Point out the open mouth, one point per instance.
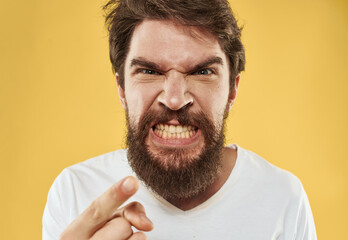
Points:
(169, 131)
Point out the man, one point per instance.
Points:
(177, 67)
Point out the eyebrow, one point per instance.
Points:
(155, 66)
(208, 62)
(144, 63)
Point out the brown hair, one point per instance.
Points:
(122, 16)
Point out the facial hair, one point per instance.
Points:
(176, 173)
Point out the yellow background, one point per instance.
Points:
(59, 103)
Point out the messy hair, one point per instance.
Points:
(215, 16)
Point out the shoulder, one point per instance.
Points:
(116, 159)
(96, 171)
(109, 166)
(279, 192)
(271, 177)
(78, 185)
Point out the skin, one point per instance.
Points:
(161, 71)
(104, 219)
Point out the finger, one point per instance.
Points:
(101, 210)
(135, 214)
(116, 229)
(138, 236)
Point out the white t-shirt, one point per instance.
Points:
(258, 201)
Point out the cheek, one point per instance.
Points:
(140, 99)
(221, 98)
(212, 100)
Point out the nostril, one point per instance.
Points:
(175, 100)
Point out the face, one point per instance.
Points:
(176, 95)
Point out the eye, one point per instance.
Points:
(203, 72)
(148, 71)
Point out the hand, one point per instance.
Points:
(103, 219)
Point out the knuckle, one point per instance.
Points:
(113, 195)
(139, 236)
(123, 226)
(95, 212)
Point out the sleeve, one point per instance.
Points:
(54, 219)
(305, 228)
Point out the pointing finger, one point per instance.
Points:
(101, 210)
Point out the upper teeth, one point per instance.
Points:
(174, 129)
(174, 132)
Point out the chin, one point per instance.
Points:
(175, 158)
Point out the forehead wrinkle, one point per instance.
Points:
(180, 60)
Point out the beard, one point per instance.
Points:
(176, 173)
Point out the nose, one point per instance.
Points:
(175, 94)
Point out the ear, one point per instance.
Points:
(121, 93)
(233, 92)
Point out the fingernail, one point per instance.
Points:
(128, 185)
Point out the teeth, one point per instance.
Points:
(174, 132)
(165, 134)
(172, 129)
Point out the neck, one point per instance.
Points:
(229, 157)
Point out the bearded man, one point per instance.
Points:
(177, 66)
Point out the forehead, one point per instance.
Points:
(172, 45)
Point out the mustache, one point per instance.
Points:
(184, 117)
(165, 114)
(198, 119)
